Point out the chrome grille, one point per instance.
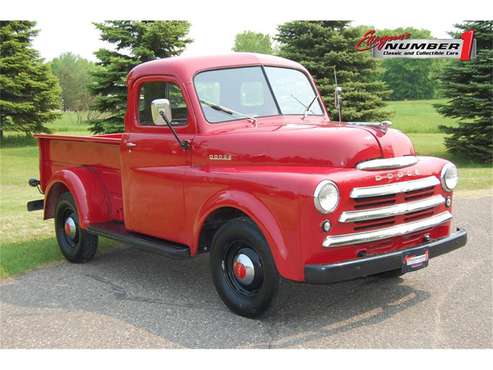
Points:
(390, 204)
(394, 210)
(394, 188)
(391, 210)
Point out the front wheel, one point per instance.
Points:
(76, 244)
(243, 270)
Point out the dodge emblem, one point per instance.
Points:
(397, 175)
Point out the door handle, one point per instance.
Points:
(131, 145)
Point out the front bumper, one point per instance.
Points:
(348, 270)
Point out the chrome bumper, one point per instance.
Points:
(370, 265)
(385, 233)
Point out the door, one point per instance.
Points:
(153, 163)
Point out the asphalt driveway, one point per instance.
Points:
(133, 299)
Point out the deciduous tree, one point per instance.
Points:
(74, 74)
(253, 42)
(411, 78)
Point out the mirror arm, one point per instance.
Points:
(184, 144)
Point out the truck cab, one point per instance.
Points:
(236, 156)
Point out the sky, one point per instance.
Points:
(80, 37)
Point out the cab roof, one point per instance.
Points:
(185, 67)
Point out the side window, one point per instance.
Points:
(161, 90)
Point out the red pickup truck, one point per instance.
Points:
(236, 155)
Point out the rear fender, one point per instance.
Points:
(88, 191)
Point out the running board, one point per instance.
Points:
(117, 231)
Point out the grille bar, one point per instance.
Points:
(398, 209)
(394, 188)
(385, 233)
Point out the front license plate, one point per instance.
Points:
(413, 262)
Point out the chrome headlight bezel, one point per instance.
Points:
(449, 183)
(319, 192)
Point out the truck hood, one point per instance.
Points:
(317, 145)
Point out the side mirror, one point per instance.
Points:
(160, 108)
(338, 96)
(338, 100)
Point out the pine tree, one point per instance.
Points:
(134, 42)
(29, 92)
(468, 86)
(322, 45)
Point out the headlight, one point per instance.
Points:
(326, 196)
(449, 177)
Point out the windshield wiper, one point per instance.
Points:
(298, 100)
(307, 107)
(227, 110)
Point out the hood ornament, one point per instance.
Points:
(383, 125)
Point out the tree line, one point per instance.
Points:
(405, 79)
(33, 93)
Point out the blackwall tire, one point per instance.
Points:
(237, 249)
(76, 244)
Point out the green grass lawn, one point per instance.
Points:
(417, 116)
(472, 176)
(420, 121)
(26, 241)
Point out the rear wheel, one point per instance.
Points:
(76, 244)
(243, 270)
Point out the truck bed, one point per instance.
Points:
(99, 152)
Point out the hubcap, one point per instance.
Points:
(243, 269)
(70, 228)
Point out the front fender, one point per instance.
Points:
(263, 218)
(88, 191)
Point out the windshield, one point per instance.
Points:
(246, 92)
